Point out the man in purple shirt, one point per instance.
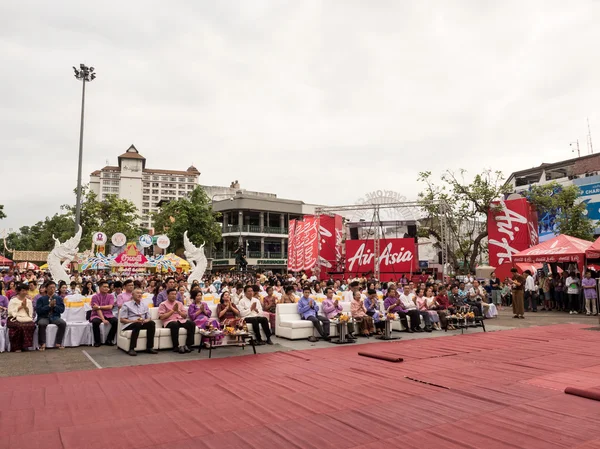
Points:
(162, 296)
(332, 309)
(8, 277)
(393, 304)
(589, 292)
(309, 310)
(102, 305)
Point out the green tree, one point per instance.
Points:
(110, 216)
(39, 236)
(564, 202)
(463, 206)
(193, 214)
(2, 214)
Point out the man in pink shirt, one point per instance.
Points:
(102, 305)
(173, 315)
(126, 294)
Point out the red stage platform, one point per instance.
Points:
(494, 390)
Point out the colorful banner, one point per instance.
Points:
(512, 227)
(131, 257)
(396, 256)
(291, 259)
(310, 238)
(298, 235)
(330, 244)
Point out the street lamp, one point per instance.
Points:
(84, 74)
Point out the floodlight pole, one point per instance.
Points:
(84, 74)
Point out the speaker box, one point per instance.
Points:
(353, 233)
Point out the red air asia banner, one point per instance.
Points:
(315, 243)
(396, 256)
(330, 244)
(512, 227)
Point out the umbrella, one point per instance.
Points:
(4, 261)
(27, 266)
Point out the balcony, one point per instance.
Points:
(251, 229)
(250, 255)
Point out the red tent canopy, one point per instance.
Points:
(4, 261)
(562, 248)
(593, 252)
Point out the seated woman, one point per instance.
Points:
(371, 304)
(288, 296)
(200, 314)
(432, 308)
(20, 320)
(228, 313)
(269, 305)
(359, 313)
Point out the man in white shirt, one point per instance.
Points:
(408, 302)
(572, 285)
(348, 295)
(251, 311)
(530, 290)
(237, 294)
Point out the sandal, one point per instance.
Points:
(42, 348)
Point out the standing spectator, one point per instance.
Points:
(3, 306)
(545, 288)
(530, 290)
(559, 291)
(518, 286)
(49, 309)
(590, 294)
(572, 284)
(496, 290)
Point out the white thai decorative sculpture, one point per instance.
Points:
(196, 258)
(66, 252)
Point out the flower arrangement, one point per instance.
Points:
(344, 318)
(391, 316)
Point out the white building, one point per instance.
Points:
(144, 187)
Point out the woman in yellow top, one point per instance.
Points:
(359, 312)
(20, 320)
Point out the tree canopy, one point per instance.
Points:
(464, 208)
(109, 216)
(564, 203)
(2, 214)
(193, 214)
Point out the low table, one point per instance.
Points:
(462, 324)
(387, 332)
(212, 336)
(342, 328)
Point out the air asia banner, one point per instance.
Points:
(315, 243)
(396, 256)
(512, 227)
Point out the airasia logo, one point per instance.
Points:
(365, 257)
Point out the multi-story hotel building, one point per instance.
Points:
(144, 187)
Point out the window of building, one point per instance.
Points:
(146, 197)
(164, 178)
(155, 184)
(155, 191)
(155, 198)
(155, 178)
(145, 204)
(190, 187)
(146, 184)
(114, 189)
(146, 191)
(173, 179)
(106, 189)
(145, 211)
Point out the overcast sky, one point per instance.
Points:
(317, 101)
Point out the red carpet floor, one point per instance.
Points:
(495, 390)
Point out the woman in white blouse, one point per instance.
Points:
(20, 320)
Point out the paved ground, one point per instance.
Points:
(89, 358)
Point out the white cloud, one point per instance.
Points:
(319, 101)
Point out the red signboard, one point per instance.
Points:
(131, 257)
(396, 256)
(291, 260)
(512, 227)
(330, 244)
(299, 261)
(310, 238)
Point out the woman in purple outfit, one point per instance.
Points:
(3, 306)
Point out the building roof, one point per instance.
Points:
(193, 169)
(147, 170)
(580, 165)
(132, 153)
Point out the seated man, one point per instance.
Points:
(48, 309)
(477, 299)
(308, 310)
(102, 305)
(333, 309)
(251, 311)
(173, 314)
(135, 316)
(393, 304)
(409, 303)
(444, 308)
